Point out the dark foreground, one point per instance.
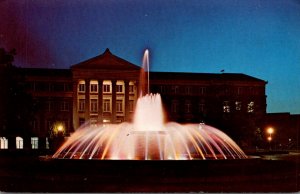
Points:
(276, 173)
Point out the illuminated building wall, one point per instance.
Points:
(105, 89)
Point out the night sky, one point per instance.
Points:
(260, 38)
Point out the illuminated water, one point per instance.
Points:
(149, 137)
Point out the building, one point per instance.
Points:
(286, 129)
(105, 89)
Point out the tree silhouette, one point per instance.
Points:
(15, 114)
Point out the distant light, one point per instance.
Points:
(269, 138)
(106, 121)
(60, 128)
(270, 130)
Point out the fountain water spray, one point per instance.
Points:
(149, 137)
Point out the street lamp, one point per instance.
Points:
(270, 131)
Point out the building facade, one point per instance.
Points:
(105, 89)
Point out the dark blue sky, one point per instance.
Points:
(260, 38)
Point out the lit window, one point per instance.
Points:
(19, 142)
(81, 86)
(119, 105)
(131, 88)
(3, 143)
(81, 105)
(119, 88)
(226, 107)
(94, 86)
(106, 88)
(250, 107)
(238, 105)
(106, 105)
(34, 142)
(47, 143)
(94, 105)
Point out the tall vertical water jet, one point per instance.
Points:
(144, 75)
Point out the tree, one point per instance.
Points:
(15, 103)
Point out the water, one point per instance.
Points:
(149, 137)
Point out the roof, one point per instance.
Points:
(203, 76)
(106, 61)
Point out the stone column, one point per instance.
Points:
(100, 100)
(87, 99)
(113, 96)
(127, 114)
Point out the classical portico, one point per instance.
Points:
(105, 89)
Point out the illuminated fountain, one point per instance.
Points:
(149, 137)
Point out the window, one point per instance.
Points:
(163, 89)
(47, 143)
(48, 106)
(106, 88)
(57, 87)
(201, 107)
(106, 105)
(250, 107)
(94, 105)
(119, 88)
(3, 143)
(81, 121)
(81, 86)
(226, 107)
(34, 124)
(188, 90)
(19, 142)
(64, 106)
(42, 86)
(131, 88)
(34, 142)
(239, 90)
(202, 90)
(81, 105)
(238, 105)
(131, 105)
(174, 106)
(68, 87)
(119, 104)
(94, 86)
(187, 107)
(175, 89)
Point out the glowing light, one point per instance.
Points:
(60, 128)
(269, 138)
(270, 130)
